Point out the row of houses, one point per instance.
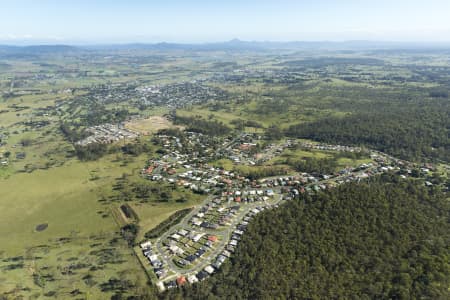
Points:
(328, 147)
(290, 188)
(222, 257)
(106, 134)
(190, 244)
(245, 149)
(218, 261)
(154, 260)
(189, 169)
(177, 95)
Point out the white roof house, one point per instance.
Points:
(175, 236)
(192, 279)
(183, 232)
(161, 286)
(197, 237)
(209, 269)
(153, 258)
(146, 245)
(178, 250)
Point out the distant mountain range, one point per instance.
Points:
(237, 44)
(37, 50)
(233, 45)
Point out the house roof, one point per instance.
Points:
(181, 280)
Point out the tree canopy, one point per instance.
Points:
(375, 240)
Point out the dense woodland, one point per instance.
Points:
(200, 125)
(412, 124)
(387, 238)
(376, 240)
(412, 137)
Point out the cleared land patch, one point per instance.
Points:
(149, 125)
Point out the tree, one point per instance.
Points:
(129, 232)
(366, 241)
(274, 132)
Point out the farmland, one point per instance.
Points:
(99, 148)
(79, 226)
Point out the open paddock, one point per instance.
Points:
(150, 125)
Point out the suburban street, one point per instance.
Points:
(195, 247)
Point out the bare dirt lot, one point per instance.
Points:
(149, 125)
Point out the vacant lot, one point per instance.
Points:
(149, 125)
(151, 215)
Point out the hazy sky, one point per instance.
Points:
(113, 21)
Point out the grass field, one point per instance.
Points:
(61, 197)
(348, 162)
(299, 154)
(78, 251)
(152, 215)
(149, 125)
(81, 231)
(224, 163)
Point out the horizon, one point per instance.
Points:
(101, 22)
(371, 43)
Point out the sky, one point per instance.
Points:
(200, 21)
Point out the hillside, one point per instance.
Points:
(378, 240)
